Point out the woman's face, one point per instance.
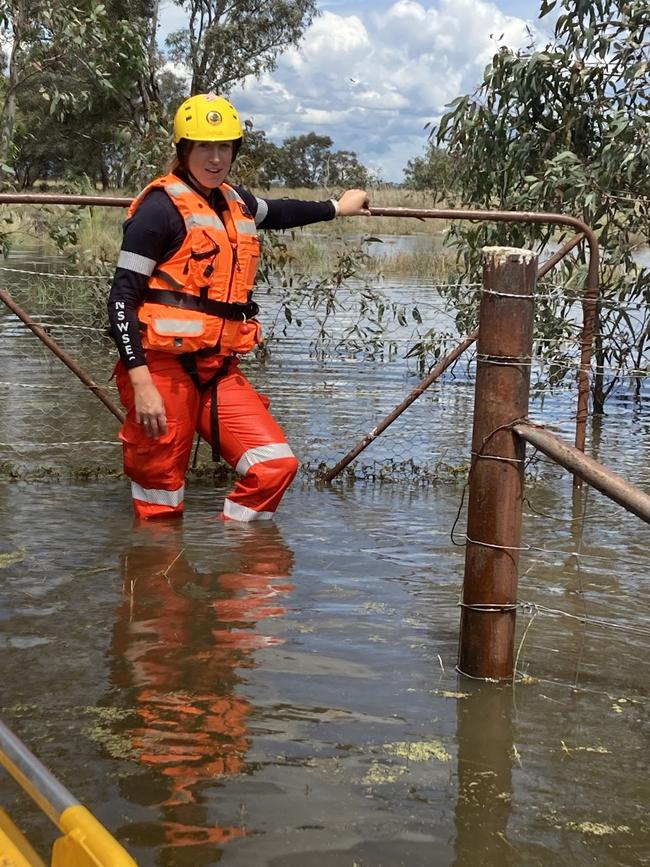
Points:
(209, 162)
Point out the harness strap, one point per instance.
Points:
(231, 310)
(188, 362)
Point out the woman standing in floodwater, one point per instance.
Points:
(181, 313)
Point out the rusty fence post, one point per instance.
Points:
(489, 603)
(436, 373)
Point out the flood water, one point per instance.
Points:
(286, 694)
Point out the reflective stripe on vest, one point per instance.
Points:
(246, 227)
(204, 220)
(176, 189)
(178, 327)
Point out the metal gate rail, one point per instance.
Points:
(589, 300)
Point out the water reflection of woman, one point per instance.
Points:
(181, 639)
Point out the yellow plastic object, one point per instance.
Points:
(15, 850)
(86, 843)
(207, 117)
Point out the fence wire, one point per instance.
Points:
(334, 365)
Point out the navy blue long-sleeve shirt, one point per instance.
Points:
(157, 230)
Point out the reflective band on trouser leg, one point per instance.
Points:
(258, 493)
(254, 444)
(275, 479)
(156, 502)
(242, 513)
(262, 453)
(157, 465)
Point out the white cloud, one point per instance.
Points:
(179, 71)
(332, 34)
(372, 80)
(171, 17)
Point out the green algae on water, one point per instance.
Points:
(11, 557)
(104, 733)
(422, 751)
(380, 774)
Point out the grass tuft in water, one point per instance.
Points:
(381, 775)
(420, 751)
(12, 557)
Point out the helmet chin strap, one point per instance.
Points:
(182, 159)
(199, 186)
(182, 153)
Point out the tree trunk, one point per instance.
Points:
(599, 379)
(153, 50)
(18, 23)
(104, 174)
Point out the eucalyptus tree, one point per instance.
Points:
(566, 128)
(259, 162)
(304, 159)
(432, 171)
(76, 75)
(309, 161)
(344, 169)
(225, 41)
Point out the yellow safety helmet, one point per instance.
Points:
(207, 117)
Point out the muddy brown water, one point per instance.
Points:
(286, 694)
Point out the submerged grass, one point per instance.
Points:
(422, 264)
(204, 474)
(208, 474)
(318, 254)
(11, 557)
(419, 751)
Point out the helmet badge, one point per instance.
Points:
(213, 117)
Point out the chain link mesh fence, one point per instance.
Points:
(339, 356)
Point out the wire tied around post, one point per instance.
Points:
(489, 607)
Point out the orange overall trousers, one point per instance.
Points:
(249, 439)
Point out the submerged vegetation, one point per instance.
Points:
(556, 128)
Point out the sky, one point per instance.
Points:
(371, 74)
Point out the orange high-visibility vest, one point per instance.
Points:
(200, 297)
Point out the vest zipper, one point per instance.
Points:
(234, 267)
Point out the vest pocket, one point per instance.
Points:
(241, 337)
(177, 330)
(249, 254)
(137, 442)
(206, 258)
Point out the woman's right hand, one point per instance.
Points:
(149, 405)
(353, 203)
